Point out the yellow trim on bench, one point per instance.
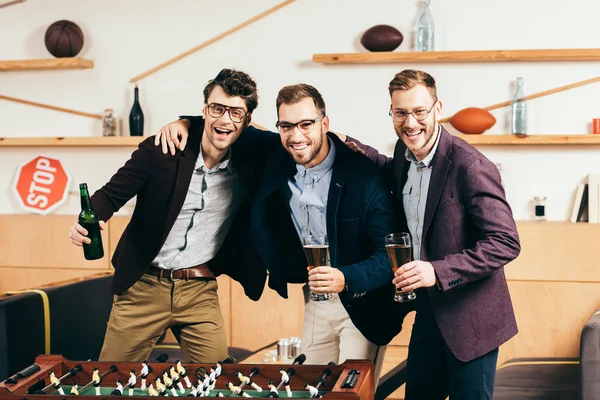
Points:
(46, 305)
(510, 364)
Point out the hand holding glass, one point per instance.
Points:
(399, 249)
(316, 249)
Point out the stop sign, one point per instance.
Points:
(42, 185)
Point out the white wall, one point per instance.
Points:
(127, 37)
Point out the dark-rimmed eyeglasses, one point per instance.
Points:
(236, 114)
(305, 126)
(419, 114)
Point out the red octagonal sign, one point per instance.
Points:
(42, 185)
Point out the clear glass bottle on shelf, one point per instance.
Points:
(426, 29)
(518, 119)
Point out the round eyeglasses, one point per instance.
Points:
(420, 114)
(236, 114)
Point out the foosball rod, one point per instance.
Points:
(321, 380)
(290, 372)
(253, 372)
(160, 359)
(71, 372)
(113, 368)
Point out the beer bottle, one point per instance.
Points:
(88, 218)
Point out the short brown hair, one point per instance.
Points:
(235, 84)
(294, 93)
(409, 78)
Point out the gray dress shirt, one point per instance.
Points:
(211, 203)
(414, 195)
(308, 191)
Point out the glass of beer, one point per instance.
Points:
(316, 249)
(399, 249)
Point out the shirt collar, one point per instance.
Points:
(426, 162)
(225, 163)
(318, 171)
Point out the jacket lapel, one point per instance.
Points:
(185, 169)
(441, 164)
(338, 180)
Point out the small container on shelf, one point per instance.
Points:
(539, 208)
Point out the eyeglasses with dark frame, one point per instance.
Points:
(420, 115)
(305, 126)
(236, 114)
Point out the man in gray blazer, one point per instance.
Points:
(463, 234)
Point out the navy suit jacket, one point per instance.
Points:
(469, 235)
(359, 215)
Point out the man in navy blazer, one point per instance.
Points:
(463, 235)
(314, 184)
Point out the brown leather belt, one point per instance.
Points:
(199, 271)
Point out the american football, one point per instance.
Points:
(381, 38)
(472, 120)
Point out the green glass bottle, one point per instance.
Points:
(88, 218)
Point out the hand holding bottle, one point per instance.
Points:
(78, 234)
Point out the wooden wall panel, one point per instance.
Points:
(255, 324)
(117, 225)
(550, 316)
(557, 251)
(30, 278)
(36, 241)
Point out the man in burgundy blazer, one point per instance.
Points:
(463, 235)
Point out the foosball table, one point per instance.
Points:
(53, 377)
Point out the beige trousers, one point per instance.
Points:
(140, 316)
(328, 334)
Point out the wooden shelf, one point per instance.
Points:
(108, 141)
(132, 141)
(45, 64)
(501, 140)
(460, 56)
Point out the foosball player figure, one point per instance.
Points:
(132, 381)
(285, 379)
(96, 379)
(169, 384)
(248, 381)
(273, 392)
(176, 380)
(160, 388)
(152, 391)
(119, 390)
(219, 368)
(194, 392)
(236, 390)
(182, 371)
(212, 377)
(56, 382)
(314, 392)
(205, 384)
(75, 389)
(145, 371)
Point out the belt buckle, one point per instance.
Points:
(171, 278)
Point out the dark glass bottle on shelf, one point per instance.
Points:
(136, 116)
(88, 218)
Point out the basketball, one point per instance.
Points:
(64, 39)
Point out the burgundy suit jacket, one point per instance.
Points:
(469, 235)
(160, 183)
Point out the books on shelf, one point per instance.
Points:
(586, 206)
